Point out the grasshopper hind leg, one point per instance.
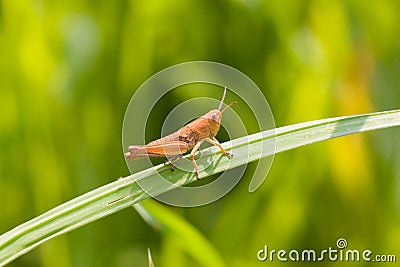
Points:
(194, 150)
(173, 160)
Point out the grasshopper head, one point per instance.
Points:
(215, 115)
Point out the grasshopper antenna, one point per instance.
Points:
(222, 100)
(228, 106)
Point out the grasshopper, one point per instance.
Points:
(188, 137)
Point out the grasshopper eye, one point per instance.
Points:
(215, 117)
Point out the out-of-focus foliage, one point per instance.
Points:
(68, 70)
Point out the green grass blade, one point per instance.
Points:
(123, 193)
(185, 235)
(151, 264)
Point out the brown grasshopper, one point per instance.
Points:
(188, 137)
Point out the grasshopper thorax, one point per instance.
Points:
(213, 119)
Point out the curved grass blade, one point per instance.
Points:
(151, 264)
(185, 235)
(123, 193)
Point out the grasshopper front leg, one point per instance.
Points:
(215, 142)
(212, 141)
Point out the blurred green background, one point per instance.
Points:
(68, 70)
